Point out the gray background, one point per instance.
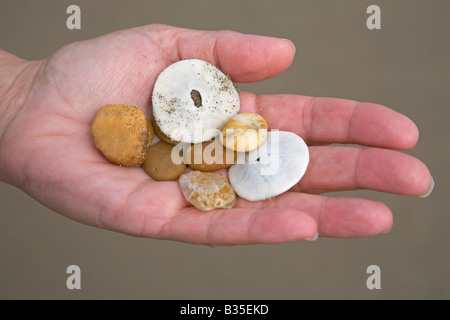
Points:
(405, 66)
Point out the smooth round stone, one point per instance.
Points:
(159, 163)
(209, 156)
(272, 169)
(244, 132)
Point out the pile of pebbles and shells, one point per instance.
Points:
(201, 133)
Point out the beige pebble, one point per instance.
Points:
(244, 132)
(120, 133)
(159, 165)
(207, 190)
(209, 156)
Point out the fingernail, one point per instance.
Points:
(292, 43)
(313, 239)
(430, 190)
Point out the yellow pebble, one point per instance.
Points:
(244, 132)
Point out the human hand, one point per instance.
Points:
(47, 150)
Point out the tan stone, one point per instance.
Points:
(159, 163)
(209, 156)
(207, 190)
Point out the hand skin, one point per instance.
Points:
(46, 147)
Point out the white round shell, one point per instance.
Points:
(273, 168)
(174, 109)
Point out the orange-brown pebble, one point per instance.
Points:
(159, 164)
(209, 156)
(120, 133)
(207, 190)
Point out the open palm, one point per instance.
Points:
(53, 157)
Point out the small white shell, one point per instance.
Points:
(273, 168)
(192, 99)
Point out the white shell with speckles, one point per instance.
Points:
(181, 117)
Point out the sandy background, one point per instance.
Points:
(405, 66)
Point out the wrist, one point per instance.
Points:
(16, 79)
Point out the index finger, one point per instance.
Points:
(245, 58)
